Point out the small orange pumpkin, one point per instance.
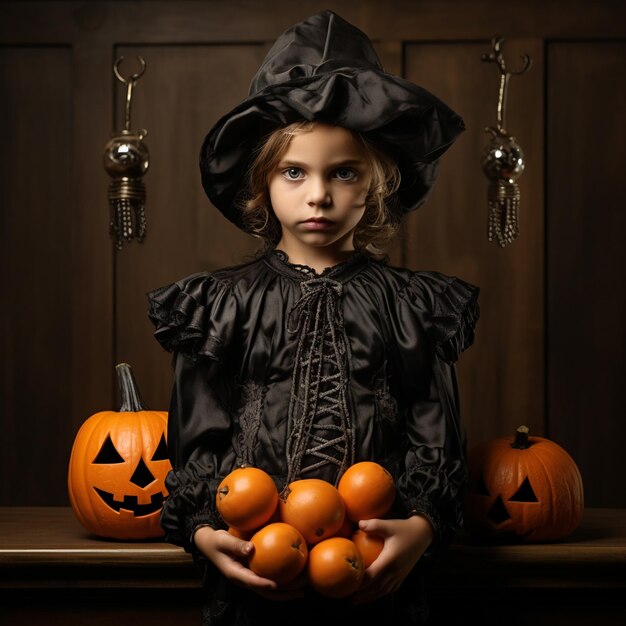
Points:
(369, 545)
(247, 498)
(117, 468)
(314, 507)
(368, 490)
(335, 567)
(280, 553)
(524, 489)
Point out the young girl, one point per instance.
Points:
(318, 354)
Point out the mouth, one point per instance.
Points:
(317, 223)
(129, 503)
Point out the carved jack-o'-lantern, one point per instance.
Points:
(524, 488)
(117, 469)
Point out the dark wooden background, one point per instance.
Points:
(550, 346)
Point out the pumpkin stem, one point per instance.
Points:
(131, 398)
(521, 438)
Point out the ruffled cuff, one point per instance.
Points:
(190, 503)
(451, 318)
(192, 315)
(441, 503)
(422, 506)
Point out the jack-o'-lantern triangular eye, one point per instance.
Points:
(160, 454)
(525, 493)
(498, 513)
(108, 454)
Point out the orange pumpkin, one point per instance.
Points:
(367, 490)
(118, 465)
(524, 489)
(280, 552)
(369, 545)
(335, 567)
(247, 498)
(314, 507)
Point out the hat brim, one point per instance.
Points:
(412, 125)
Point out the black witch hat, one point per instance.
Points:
(325, 69)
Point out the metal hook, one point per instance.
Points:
(133, 77)
(496, 57)
(130, 84)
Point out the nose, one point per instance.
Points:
(142, 476)
(318, 193)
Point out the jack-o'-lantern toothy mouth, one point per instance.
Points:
(129, 503)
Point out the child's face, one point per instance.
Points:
(318, 190)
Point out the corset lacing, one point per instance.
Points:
(320, 424)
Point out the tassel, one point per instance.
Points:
(503, 160)
(127, 199)
(503, 163)
(126, 160)
(504, 201)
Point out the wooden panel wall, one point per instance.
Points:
(35, 266)
(186, 89)
(59, 104)
(505, 366)
(586, 224)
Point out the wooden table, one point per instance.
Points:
(52, 571)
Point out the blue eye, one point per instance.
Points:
(345, 173)
(292, 173)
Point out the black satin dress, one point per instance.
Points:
(356, 362)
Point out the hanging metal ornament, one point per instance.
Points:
(503, 160)
(126, 160)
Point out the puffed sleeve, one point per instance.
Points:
(193, 315)
(438, 315)
(194, 318)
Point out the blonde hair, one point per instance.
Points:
(377, 227)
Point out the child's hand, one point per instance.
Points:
(405, 542)
(230, 555)
(286, 592)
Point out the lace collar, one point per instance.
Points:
(344, 270)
